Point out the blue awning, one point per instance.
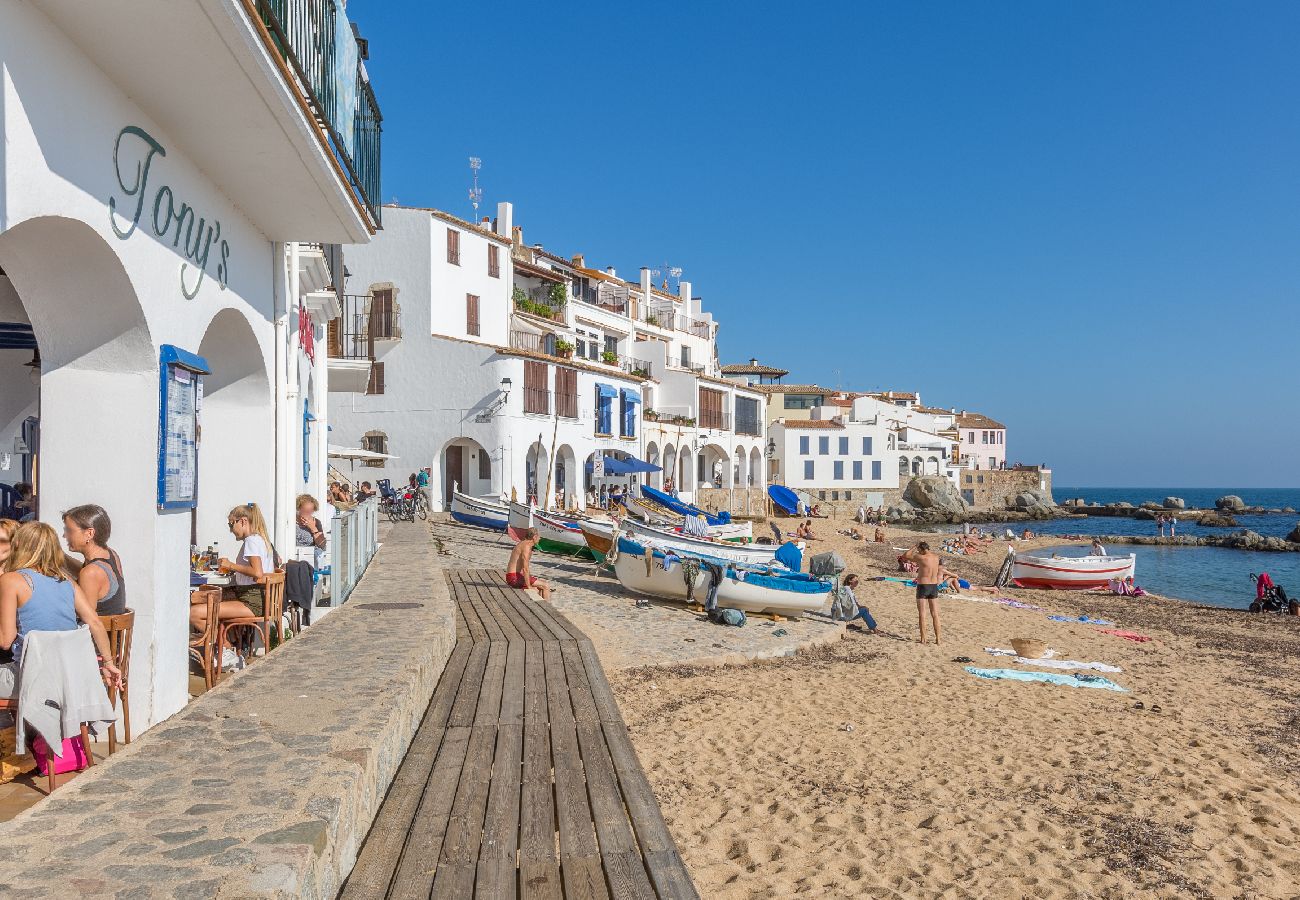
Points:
(630, 396)
(629, 466)
(605, 390)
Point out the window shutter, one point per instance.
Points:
(334, 337)
(453, 246)
(471, 314)
(494, 261)
(376, 385)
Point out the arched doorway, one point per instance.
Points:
(714, 467)
(755, 468)
(464, 465)
(93, 402)
(567, 482)
(932, 465)
(236, 404)
(903, 466)
(916, 465)
(741, 468)
(669, 464)
(654, 479)
(686, 472)
(537, 467)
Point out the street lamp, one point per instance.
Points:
(506, 384)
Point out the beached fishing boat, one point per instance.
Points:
(742, 532)
(555, 535)
(667, 501)
(747, 588)
(755, 554)
(483, 512)
(599, 537)
(1039, 570)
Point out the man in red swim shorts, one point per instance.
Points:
(517, 575)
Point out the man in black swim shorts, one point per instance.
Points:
(928, 578)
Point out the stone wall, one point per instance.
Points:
(738, 501)
(266, 785)
(992, 488)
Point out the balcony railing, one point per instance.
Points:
(533, 343)
(316, 40)
(701, 328)
(677, 362)
(639, 368)
(749, 427)
(537, 302)
(717, 420)
(353, 334)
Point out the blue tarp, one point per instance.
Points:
(789, 556)
(629, 466)
(683, 509)
(785, 499)
(604, 390)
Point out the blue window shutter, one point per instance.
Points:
(803, 445)
(823, 445)
(844, 446)
(866, 446)
(808, 470)
(875, 470)
(857, 470)
(839, 470)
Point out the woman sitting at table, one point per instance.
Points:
(254, 560)
(37, 595)
(86, 530)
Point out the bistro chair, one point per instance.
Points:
(10, 705)
(205, 646)
(120, 628)
(271, 618)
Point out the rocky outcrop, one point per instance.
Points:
(1145, 514)
(935, 493)
(1230, 502)
(1294, 536)
(1175, 503)
(1035, 503)
(1217, 520)
(902, 512)
(1250, 540)
(1151, 505)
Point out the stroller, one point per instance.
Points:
(1269, 597)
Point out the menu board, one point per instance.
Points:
(178, 451)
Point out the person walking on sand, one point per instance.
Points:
(927, 585)
(517, 574)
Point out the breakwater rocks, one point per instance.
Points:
(1238, 540)
(936, 501)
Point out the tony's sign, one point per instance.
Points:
(169, 216)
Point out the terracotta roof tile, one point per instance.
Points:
(457, 221)
(747, 369)
(977, 420)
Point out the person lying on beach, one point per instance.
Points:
(928, 568)
(1026, 535)
(517, 574)
(949, 581)
(851, 532)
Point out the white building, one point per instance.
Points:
(516, 367)
(157, 164)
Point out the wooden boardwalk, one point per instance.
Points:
(521, 781)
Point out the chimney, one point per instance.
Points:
(579, 261)
(505, 219)
(684, 291)
(517, 235)
(753, 361)
(487, 224)
(645, 287)
(609, 270)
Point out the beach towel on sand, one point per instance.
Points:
(1085, 681)
(1048, 661)
(1126, 635)
(1086, 620)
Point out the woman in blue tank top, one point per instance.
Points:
(37, 595)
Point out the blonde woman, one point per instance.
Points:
(37, 595)
(254, 560)
(7, 529)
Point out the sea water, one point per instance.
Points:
(1213, 575)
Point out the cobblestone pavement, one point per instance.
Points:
(624, 636)
(266, 785)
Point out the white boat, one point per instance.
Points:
(556, 534)
(1036, 570)
(484, 512)
(775, 591)
(754, 554)
(660, 517)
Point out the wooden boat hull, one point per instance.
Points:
(599, 538)
(756, 593)
(752, 554)
(1070, 573)
(479, 512)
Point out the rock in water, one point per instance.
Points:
(1175, 503)
(1294, 536)
(933, 492)
(1230, 502)
(1218, 520)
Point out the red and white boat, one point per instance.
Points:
(1075, 573)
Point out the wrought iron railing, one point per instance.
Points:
(307, 34)
(353, 334)
(718, 420)
(677, 362)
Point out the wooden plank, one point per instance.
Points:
(584, 705)
(538, 610)
(383, 844)
(626, 876)
(464, 835)
(607, 810)
(643, 809)
(496, 879)
(471, 686)
(669, 874)
(601, 692)
(572, 811)
(414, 877)
(557, 689)
(539, 869)
(501, 824)
(584, 878)
(494, 676)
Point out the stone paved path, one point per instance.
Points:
(627, 637)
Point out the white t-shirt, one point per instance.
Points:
(253, 546)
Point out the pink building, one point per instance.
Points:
(983, 442)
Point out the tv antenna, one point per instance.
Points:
(475, 192)
(674, 272)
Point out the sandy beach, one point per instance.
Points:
(878, 767)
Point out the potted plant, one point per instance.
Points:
(558, 296)
(520, 296)
(650, 414)
(563, 349)
(639, 372)
(651, 319)
(609, 357)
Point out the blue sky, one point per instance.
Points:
(1080, 219)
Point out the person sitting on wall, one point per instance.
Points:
(517, 574)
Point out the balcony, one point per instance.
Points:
(538, 302)
(718, 421)
(676, 362)
(244, 90)
(749, 427)
(364, 331)
(637, 368)
(700, 328)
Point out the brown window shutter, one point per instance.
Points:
(453, 246)
(494, 261)
(376, 385)
(335, 339)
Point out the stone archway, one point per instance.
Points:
(96, 401)
(537, 467)
(567, 480)
(714, 467)
(464, 465)
(755, 468)
(654, 479)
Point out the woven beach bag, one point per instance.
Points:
(1029, 648)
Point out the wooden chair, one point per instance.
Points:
(207, 645)
(10, 705)
(272, 615)
(120, 628)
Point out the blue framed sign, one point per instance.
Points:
(180, 398)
